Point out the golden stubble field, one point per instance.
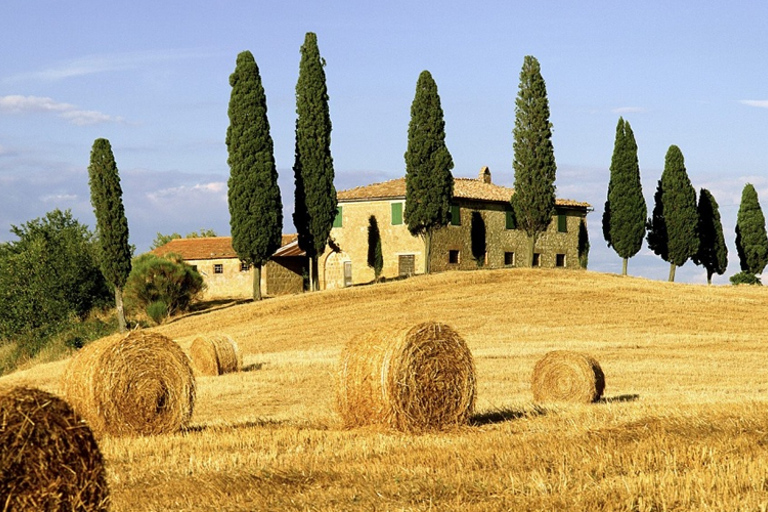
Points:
(683, 426)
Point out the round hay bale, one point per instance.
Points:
(410, 379)
(138, 384)
(215, 355)
(49, 459)
(566, 376)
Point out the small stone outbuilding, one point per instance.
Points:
(482, 233)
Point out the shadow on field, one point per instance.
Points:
(503, 415)
(252, 367)
(620, 398)
(261, 423)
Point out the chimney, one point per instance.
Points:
(485, 175)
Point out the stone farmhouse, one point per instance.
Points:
(226, 276)
(479, 207)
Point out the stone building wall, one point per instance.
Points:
(232, 282)
(283, 276)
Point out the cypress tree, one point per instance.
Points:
(583, 244)
(428, 164)
(625, 209)
(111, 223)
(751, 239)
(375, 256)
(315, 205)
(255, 206)
(672, 230)
(712, 253)
(534, 198)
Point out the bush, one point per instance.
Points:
(745, 277)
(155, 279)
(157, 311)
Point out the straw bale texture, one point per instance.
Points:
(49, 459)
(566, 376)
(215, 355)
(138, 384)
(411, 379)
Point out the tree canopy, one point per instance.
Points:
(712, 253)
(751, 239)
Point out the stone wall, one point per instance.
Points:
(232, 282)
(283, 276)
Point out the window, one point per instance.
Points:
(406, 265)
(562, 223)
(337, 219)
(397, 213)
(536, 259)
(560, 260)
(218, 268)
(511, 221)
(194, 267)
(455, 216)
(509, 258)
(245, 267)
(453, 257)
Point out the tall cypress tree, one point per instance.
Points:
(712, 253)
(315, 205)
(534, 198)
(672, 230)
(751, 239)
(255, 206)
(625, 209)
(111, 223)
(428, 164)
(375, 255)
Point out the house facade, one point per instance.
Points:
(482, 233)
(225, 276)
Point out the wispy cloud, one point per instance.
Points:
(17, 104)
(627, 110)
(93, 64)
(755, 103)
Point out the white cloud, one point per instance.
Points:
(627, 110)
(755, 103)
(17, 104)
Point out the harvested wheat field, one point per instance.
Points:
(682, 424)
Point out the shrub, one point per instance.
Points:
(166, 280)
(157, 311)
(745, 277)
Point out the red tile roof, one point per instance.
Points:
(212, 248)
(463, 188)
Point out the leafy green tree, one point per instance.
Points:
(161, 239)
(712, 253)
(534, 198)
(48, 276)
(111, 224)
(165, 281)
(315, 200)
(375, 255)
(203, 233)
(255, 206)
(477, 238)
(751, 239)
(625, 210)
(428, 164)
(672, 230)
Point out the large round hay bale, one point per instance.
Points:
(138, 384)
(566, 376)
(49, 459)
(411, 379)
(215, 355)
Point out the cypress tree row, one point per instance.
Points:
(712, 253)
(316, 204)
(428, 164)
(672, 230)
(255, 206)
(534, 198)
(111, 223)
(751, 239)
(625, 209)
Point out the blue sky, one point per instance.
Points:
(152, 77)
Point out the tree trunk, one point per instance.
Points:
(624, 266)
(257, 282)
(531, 249)
(428, 251)
(672, 268)
(709, 276)
(311, 274)
(120, 310)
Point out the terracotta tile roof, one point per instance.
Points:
(212, 248)
(463, 188)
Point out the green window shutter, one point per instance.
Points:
(337, 220)
(511, 224)
(455, 215)
(397, 213)
(562, 223)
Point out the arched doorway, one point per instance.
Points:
(337, 270)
